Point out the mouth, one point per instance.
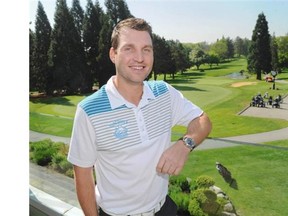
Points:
(137, 67)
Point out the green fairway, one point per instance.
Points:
(218, 94)
(260, 173)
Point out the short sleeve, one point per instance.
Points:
(183, 110)
(82, 150)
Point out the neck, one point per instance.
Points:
(132, 92)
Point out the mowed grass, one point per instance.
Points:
(260, 172)
(213, 93)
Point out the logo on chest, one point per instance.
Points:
(120, 128)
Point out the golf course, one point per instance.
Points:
(222, 92)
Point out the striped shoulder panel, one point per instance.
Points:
(96, 103)
(158, 87)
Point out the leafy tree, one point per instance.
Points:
(274, 54)
(198, 57)
(241, 46)
(212, 58)
(117, 10)
(91, 33)
(283, 51)
(39, 61)
(220, 48)
(230, 48)
(238, 46)
(259, 58)
(66, 54)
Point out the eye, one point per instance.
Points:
(147, 50)
(127, 49)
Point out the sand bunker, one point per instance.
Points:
(239, 84)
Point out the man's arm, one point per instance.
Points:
(85, 188)
(173, 159)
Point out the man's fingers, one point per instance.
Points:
(160, 165)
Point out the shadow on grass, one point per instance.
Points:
(187, 88)
(52, 100)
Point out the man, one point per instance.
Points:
(124, 131)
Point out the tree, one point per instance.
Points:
(180, 54)
(220, 48)
(66, 54)
(274, 54)
(163, 62)
(39, 58)
(212, 59)
(78, 16)
(32, 83)
(259, 58)
(282, 43)
(117, 10)
(241, 46)
(230, 48)
(198, 57)
(106, 67)
(91, 32)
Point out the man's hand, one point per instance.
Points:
(173, 159)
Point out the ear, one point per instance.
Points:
(112, 53)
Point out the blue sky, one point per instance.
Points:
(195, 21)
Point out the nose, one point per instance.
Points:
(139, 56)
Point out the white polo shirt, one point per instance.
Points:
(125, 142)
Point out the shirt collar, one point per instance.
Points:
(117, 100)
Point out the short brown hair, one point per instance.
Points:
(132, 23)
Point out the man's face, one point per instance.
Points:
(133, 58)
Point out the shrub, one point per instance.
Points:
(194, 208)
(60, 163)
(53, 154)
(207, 201)
(41, 152)
(181, 181)
(181, 200)
(204, 181)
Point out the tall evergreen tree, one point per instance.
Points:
(106, 67)
(180, 55)
(259, 58)
(163, 61)
(91, 33)
(66, 54)
(78, 16)
(38, 75)
(32, 75)
(117, 10)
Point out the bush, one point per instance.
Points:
(181, 200)
(180, 181)
(207, 201)
(41, 152)
(204, 181)
(60, 163)
(52, 154)
(194, 208)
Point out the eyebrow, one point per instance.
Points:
(132, 45)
